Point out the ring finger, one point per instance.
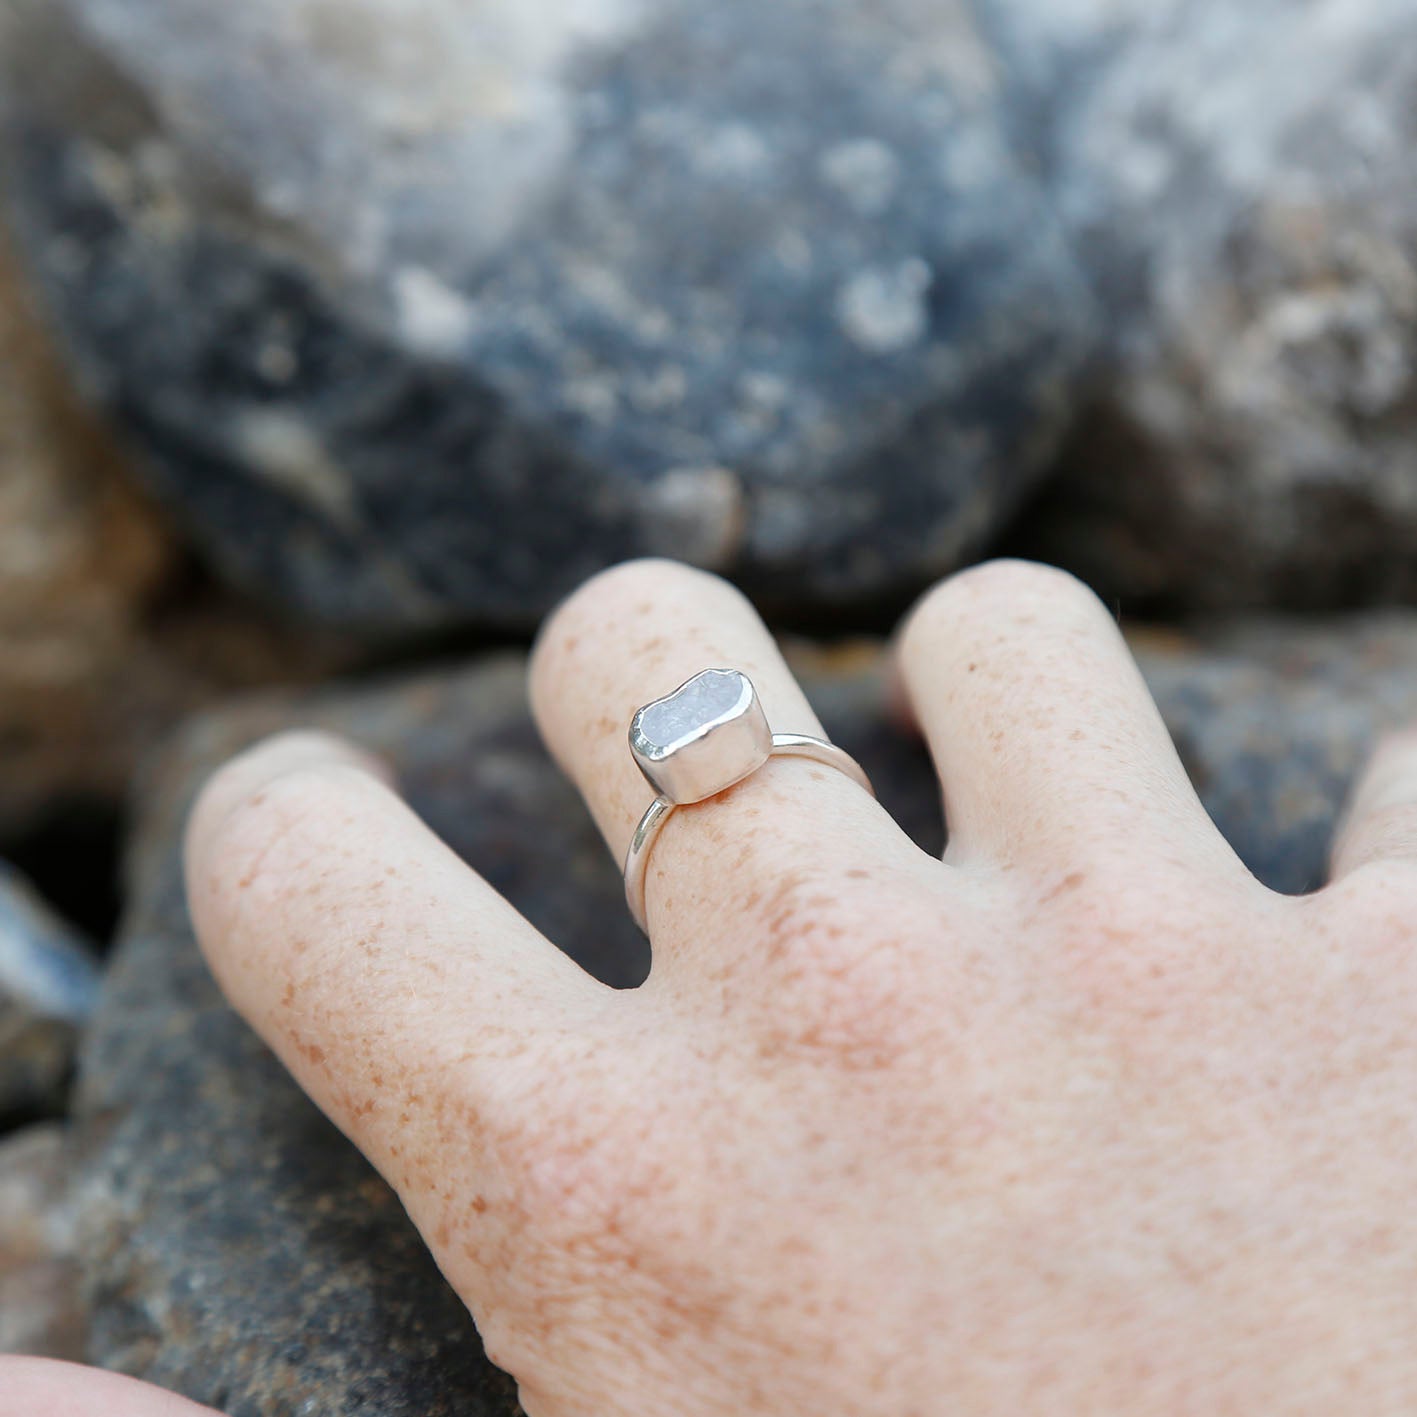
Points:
(635, 634)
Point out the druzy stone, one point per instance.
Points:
(708, 734)
(708, 698)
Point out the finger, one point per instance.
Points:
(636, 633)
(384, 973)
(41, 1387)
(1381, 824)
(1047, 740)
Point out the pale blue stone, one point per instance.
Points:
(714, 696)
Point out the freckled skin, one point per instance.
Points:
(1081, 1120)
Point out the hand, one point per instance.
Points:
(1081, 1120)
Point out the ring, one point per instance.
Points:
(709, 734)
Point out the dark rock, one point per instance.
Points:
(1274, 720)
(80, 553)
(240, 1251)
(48, 988)
(1238, 177)
(105, 641)
(41, 1307)
(425, 312)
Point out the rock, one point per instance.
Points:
(48, 988)
(105, 638)
(425, 311)
(1239, 180)
(41, 1308)
(1275, 719)
(238, 1250)
(79, 555)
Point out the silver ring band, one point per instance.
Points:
(709, 735)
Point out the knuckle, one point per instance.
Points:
(1372, 903)
(563, 1126)
(1385, 829)
(1391, 774)
(1141, 952)
(580, 1178)
(843, 977)
(803, 920)
(1398, 743)
(852, 1019)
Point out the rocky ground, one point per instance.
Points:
(323, 391)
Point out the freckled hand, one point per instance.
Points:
(1080, 1119)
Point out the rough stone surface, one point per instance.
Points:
(426, 310)
(1275, 719)
(41, 1306)
(48, 989)
(1238, 177)
(237, 1248)
(79, 555)
(103, 642)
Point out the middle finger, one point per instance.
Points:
(635, 634)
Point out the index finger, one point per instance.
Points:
(386, 975)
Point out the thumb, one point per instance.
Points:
(39, 1387)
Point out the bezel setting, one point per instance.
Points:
(700, 740)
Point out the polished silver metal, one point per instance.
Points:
(698, 741)
(705, 737)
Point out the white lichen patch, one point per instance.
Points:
(733, 152)
(883, 310)
(432, 316)
(282, 448)
(864, 171)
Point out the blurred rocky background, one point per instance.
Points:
(339, 338)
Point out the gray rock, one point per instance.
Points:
(424, 311)
(105, 640)
(48, 988)
(1238, 177)
(41, 1306)
(81, 555)
(1274, 720)
(237, 1248)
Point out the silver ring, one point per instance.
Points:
(702, 739)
